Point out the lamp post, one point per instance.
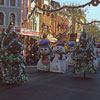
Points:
(11, 24)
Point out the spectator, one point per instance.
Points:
(35, 53)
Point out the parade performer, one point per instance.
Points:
(59, 62)
(12, 60)
(70, 61)
(1, 36)
(98, 52)
(45, 59)
(84, 56)
(95, 61)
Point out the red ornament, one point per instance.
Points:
(36, 6)
(95, 2)
(64, 6)
(44, 36)
(94, 21)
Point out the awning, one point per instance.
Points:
(35, 38)
(51, 38)
(28, 32)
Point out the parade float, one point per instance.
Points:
(45, 58)
(59, 63)
(12, 69)
(84, 56)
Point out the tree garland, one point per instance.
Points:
(93, 2)
(89, 22)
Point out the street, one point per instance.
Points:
(53, 86)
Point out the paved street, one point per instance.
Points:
(51, 86)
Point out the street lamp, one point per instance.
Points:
(11, 25)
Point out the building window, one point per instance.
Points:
(12, 18)
(58, 27)
(35, 27)
(32, 24)
(1, 18)
(12, 2)
(43, 8)
(48, 13)
(1, 2)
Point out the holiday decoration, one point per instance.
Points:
(80, 6)
(12, 69)
(59, 63)
(89, 22)
(1, 36)
(45, 59)
(92, 2)
(84, 56)
(95, 2)
(36, 6)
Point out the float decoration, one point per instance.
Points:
(84, 56)
(12, 68)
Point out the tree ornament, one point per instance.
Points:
(95, 2)
(64, 6)
(36, 6)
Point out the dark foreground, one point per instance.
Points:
(51, 86)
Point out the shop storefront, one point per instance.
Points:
(29, 37)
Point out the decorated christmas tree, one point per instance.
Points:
(12, 69)
(84, 56)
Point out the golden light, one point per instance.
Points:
(77, 40)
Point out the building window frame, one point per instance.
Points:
(32, 23)
(15, 17)
(48, 13)
(16, 4)
(3, 4)
(4, 20)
